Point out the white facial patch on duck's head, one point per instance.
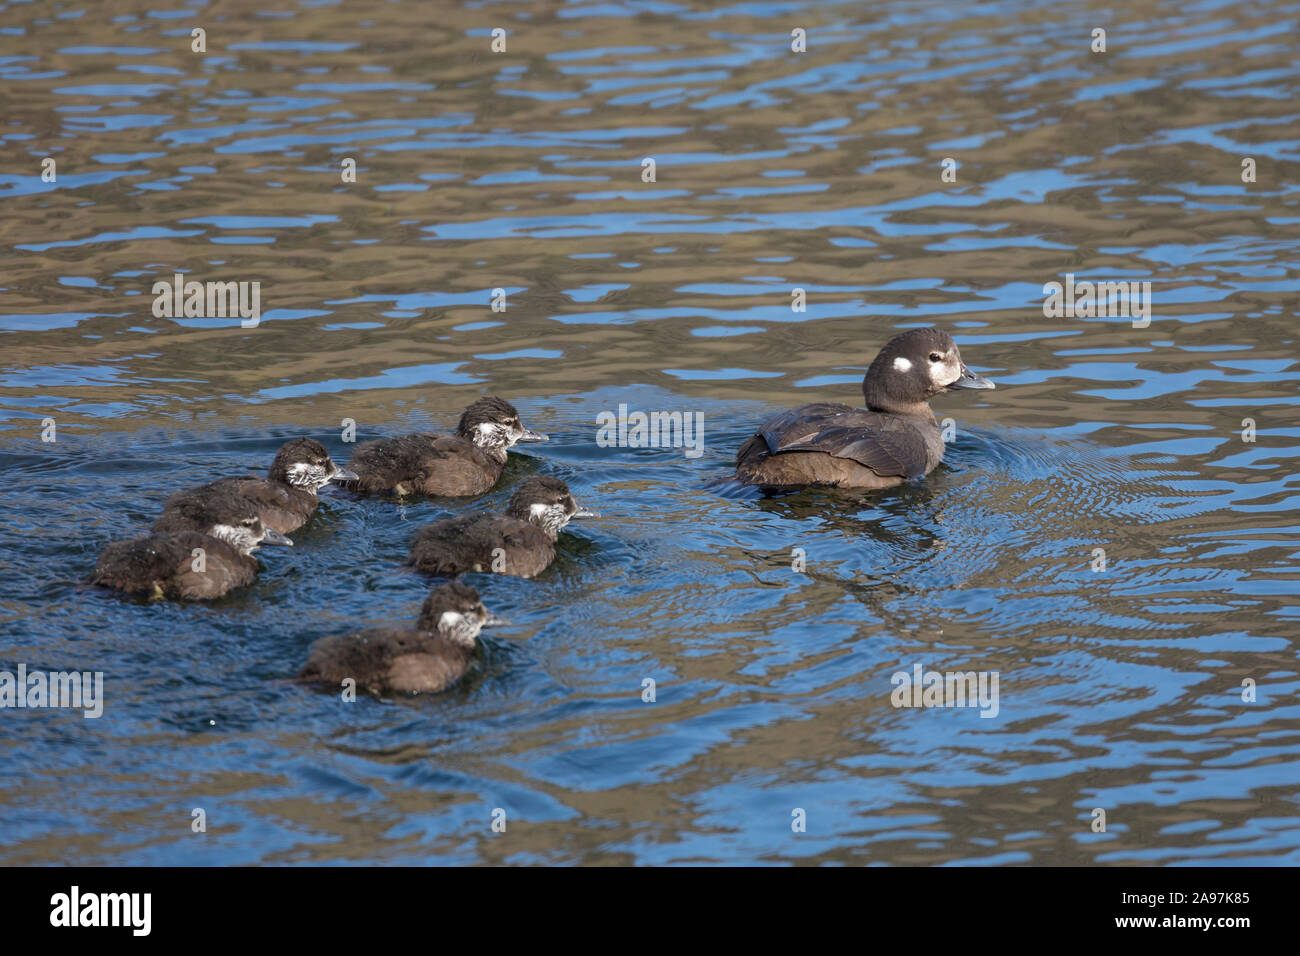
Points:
(305, 475)
(241, 537)
(461, 628)
(944, 367)
(902, 365)
(547, 516)
(491, 435)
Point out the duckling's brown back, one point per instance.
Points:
(444, 465)
(387, 660)
(281, 507)
(165, 565)
(482, 543)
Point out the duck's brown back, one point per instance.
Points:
(446, 465)
(386, 660)
(838, 445)
(281, 507)
(482, 543)
(164, 565)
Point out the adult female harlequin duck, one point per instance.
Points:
(191, 565)
(893, 439)
(284, 499)
(466, 463)
(520, 542)
(424, 659)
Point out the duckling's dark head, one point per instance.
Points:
(547, 503)
(493, 423)
(914, 367)
(231, 519)
(455, 611)
(304, 463)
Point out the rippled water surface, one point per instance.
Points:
(1120, 689)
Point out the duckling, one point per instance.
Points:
(467, 463)
(425, 659)
(191, 565)
(521, 542)
(894, 439)
(285, 499)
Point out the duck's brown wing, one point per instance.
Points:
(385, 463)
(887, 446)
(799, 424)
(474, 542)
(164, 564)
(449, 546)
(361, 655)
(386, 659)
(432, 464)
(136, 564)
(224, 569)
(453, 446)
(280, 507)
(190, 508)
(456, 467)
(260, 491)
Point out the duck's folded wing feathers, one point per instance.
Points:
(799, 424)
(886, 446)
(261, 491)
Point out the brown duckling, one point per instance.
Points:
(285, 499)
(520, 542)
(191, 565)
(424, 659)
(467, 463)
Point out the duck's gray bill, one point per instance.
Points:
(274, 537)
(344, 474)
(971, 379)
(530, 435)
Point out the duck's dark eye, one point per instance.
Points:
(249, 522)
(936, 357)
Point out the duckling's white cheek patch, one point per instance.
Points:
(451, 621)
(303, 474)
(488, 433)
(537, 511)
(239, 538)
(902, 365)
